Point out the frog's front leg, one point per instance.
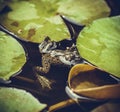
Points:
(45, 65)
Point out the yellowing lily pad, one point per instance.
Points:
(12, 56)
(18, 100)
(33, 20)
(99, 43)
(88, 81)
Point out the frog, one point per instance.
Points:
(57, 54)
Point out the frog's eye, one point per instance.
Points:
(47, 39)
(44, 43)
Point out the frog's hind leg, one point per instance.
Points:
(45, 66)
(43, 70)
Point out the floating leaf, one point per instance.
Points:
(84, 11)
(18, 100)
(33, 20)
(12, 56)
(88, 81)
(99, 43)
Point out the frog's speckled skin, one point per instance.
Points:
(52, 55)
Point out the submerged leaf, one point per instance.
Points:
(99, 43)
(88, 81)
(108, 107)
(12, 56)
(33, 20)
(18, 100)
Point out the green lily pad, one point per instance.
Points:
(99, 43)
(18, 100)
(33, 20)
(84, 11)
(12, 56)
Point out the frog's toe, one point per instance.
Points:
(41, 70)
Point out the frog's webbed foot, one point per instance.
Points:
(45, 83)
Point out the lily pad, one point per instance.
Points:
(99, 44)
(33, 20)
(88, 81)
(18, 100)
(84, 11)
(12, 56)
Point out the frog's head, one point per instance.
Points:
(47, 45)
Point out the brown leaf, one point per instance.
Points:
(89, 81)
